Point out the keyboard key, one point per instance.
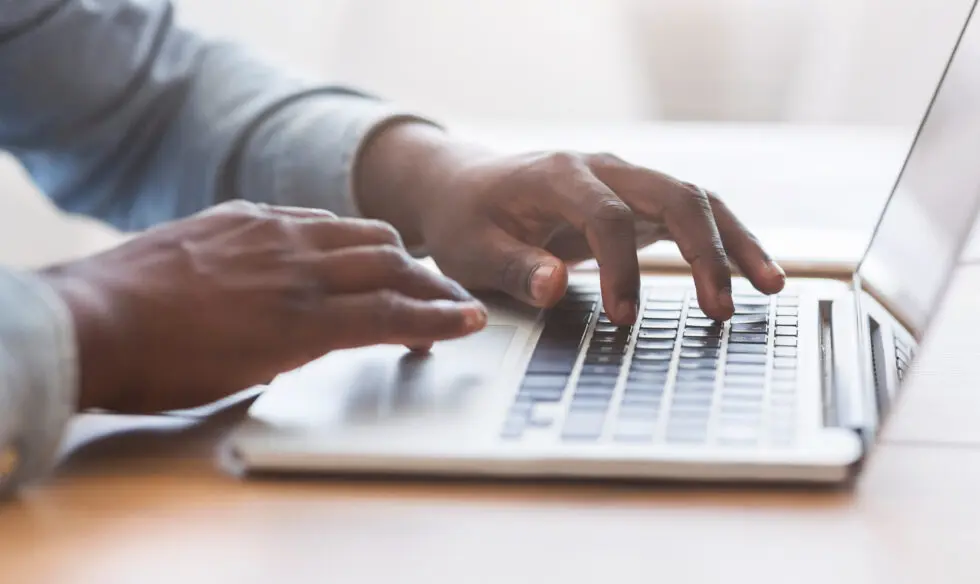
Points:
(784, 363)
(647, 411)
(744, 381)
(751, 309)
(761, 317)
(746, 338)
(653, 378)
(782, 387)
(672, 294)
(655, 344)
(785, 341)
(742, 398)
(699, 343)
(652, 355)
(747, 349)
(692, 400)
(750, 327)
(685, 435)
(633, 430)
(694, 312)
(703, 333)
(662, 315)
(784, 374)
(696, 375)
(538, 394)
(784, 351)
(697, 386)
(710, 364)
(786, 331)
(745, 369)
(612, 339)
(649, 366)
(741, 411)
(583, 426)
(600, 370)
(787, 311)
(547, 381)
(787, 321)
(603, 359)
(647, 334)
(604, 349)
(701, 323)
(610, 328)
(700, 353)
(664, 305)
(604, 385)
(755, 299)
(737, 435)
(757, 358)
(788, 300)
(646, 324)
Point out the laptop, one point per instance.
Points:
(796, 387)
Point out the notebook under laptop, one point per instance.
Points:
(794, 387)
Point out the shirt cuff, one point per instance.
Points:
(305, 154)
(38, 378)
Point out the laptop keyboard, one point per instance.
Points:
(674, 377)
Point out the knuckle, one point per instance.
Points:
(385, 233)
(387, 311)
(613, 211)
(560, 161)
(393, 258)
(606, 160)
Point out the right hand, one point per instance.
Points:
(197, 309)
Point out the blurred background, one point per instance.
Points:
(818, 63)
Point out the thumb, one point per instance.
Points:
(527, 273)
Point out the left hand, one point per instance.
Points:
(513, 223)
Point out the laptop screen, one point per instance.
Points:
(931, 211)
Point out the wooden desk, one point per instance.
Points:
(139, 500)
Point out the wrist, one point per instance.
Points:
(100, 368)
(406, 169)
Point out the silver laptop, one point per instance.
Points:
(794, 387)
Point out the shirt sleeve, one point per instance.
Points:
(38, 378)
(120, 114)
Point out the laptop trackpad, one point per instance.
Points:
(388, 384)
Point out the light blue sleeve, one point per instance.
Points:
(37, 378)
(119, 114)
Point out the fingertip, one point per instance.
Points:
(776, 278)
(474, 316)
(420, 348)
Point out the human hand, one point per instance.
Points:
(513, 223)
(197, 309)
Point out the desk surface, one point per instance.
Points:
(139, 500)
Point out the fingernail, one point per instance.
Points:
(776, 270)
(475, 317)
(541, 281)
